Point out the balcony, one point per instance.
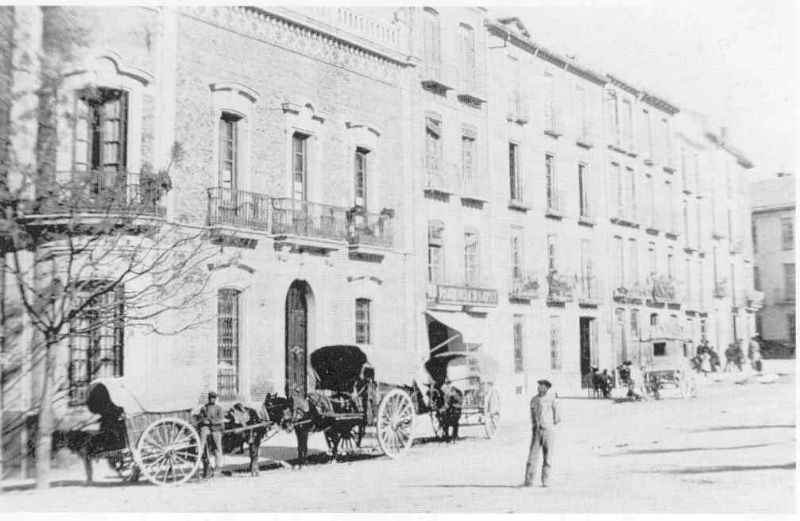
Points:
(625, 216)
(787, 296)
(721, 288)
(590, 291)
(238, 208)
(102, 194)
(735, 246)
(461, 292)
(587, 215)
(518, 111)
(370, 233)
(439, 182)
(304, 225)
(524, 286)
(655, 222)
(434, 80)
(469, 90)
(585, 136)
(552, 121)
(561, 287)
(754, 300)
(633, 292)
(556, 204)
(471, 187)
(718, 234)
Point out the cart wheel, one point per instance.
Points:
(436, 425)
(395, 423)
(491, 413)
(168, 452)
(125, 465)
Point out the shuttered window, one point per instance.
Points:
(101, 130)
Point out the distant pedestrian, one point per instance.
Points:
(544, 417)
(212, 421)
(705, 363)
(754, 352)
(730, 358)
(607, 383)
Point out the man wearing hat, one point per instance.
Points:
(544, 417)
(212, 421)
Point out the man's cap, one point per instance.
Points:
(212, 394)
(545, 382)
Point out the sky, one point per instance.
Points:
(733, 60)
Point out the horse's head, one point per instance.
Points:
(279, 409)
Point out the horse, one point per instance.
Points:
(244, 425)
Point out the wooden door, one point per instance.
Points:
(296, 340)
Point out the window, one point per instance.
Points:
(788, 281)
(687, 271)
(730, 225)
(613, 117)
(648, 133)
(659, 349)
(552, 253)
(514, 96)
(555, 343)
(466, 41)
(733, 283)
(670, 206)
(363, 317)
(666, 145)
(471, 259)
(586, 258)
(754, 234)
(633, 262)
(686, 219)
(96, 338)
(729, 178)
(697, 171)
(617, 187)
(790, 322)
(299, 166)
(228, 150)
(654, 320)
(519, 344)
(431, 42)
(513, 172)
(433, 148)
(619, 258)
(101, 130)
(550, 108)
(435, 252)
(627, 124)
(787, 233)
(651, 200)
(635, 323)
(516, 253)
(756, 278)
(630, 194)
(468, 154)
(652, 259)
(361, 173)
(584, 121)
(228, 342)
(683, 166)
(550, 173)
(670, 262)
(583, 189)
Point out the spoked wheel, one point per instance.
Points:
(125, 465)
(436, 425)
(491, 413)
(168, 452)
(395, 423)
(351, 439)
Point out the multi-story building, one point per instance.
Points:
(409, 180)
(773, 205)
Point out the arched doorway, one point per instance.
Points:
(296, 338)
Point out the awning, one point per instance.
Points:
(464, 332)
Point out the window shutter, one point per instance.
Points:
(82, 145)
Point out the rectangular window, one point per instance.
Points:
(791, 322)
(627, 124)
(228, 150)
(687, 272)
(555, 343)
(788, 281)
(666, 143)
(228, 333)
(514, 95)
(433, 149)
(516, 253)
(617, 188)
(787, 233)
(519, 343)
(101, 131)
(651, 200)
(513, 172)
(471, 259)
(468, 157)
(466, 42)
(613, 117)
(683, 166)
(550, 176)
(550, 108)
(96, 338)
(363, 318)
(633, 260)
(686, 219)
(754, 234)
(431, 43)
(756, 278)
(361, 167)
(583, 190)
(552, 253)
(652, 258)
(671, 262)
(435, 253)
(648, 133)
(619, 257)
(299, 166)
(630, 195)
(584, 126)
(670, 206)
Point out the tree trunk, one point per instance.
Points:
(2, 353)
(44, 431)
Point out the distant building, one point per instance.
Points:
(773, 205)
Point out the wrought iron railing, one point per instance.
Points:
(524, 285)
(370, 228)
(561, 287)
(590, 289)
(238, 208)
(227, 384)
(556, 204)
(306, 219)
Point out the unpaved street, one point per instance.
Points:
(730, 450)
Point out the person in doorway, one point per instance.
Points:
(544, 417)
(211, 423)
(607, 383)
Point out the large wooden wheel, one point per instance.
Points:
(168, 452)
(125, 465)
(395, 423)
(491, 413)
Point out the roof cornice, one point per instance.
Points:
(646, 97)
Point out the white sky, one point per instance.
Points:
(735, 60)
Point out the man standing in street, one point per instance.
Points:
(212, 421)
(544, 417)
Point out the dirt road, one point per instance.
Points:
(732, 449)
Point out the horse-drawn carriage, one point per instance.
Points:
(348, 400)
(669, 365)
(164, 445)
(460, 393)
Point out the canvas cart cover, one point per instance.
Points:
(484, 366)
(456, 332)
(108, 395)
(338, 366)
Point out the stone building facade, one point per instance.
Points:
(773, 206)
(411, 181)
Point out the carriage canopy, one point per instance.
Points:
(477, 366)
(454, 332)
(338, 366)
(109, 396)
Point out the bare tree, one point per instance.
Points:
(88, 254)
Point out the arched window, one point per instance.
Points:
(101, 130)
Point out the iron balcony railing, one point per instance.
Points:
(517, 109)
(238, 208)
(556, 204)
(438, 178)
(305, 219)
(227, 383)
(552, 120)
(370, 228)
(96, 192)
(721, 289)
(524, 285)
(590, 289)
(561, 287)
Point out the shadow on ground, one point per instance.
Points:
(724, 468)
(690, 449)
(744, 427)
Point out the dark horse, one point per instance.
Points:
(243, 425)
